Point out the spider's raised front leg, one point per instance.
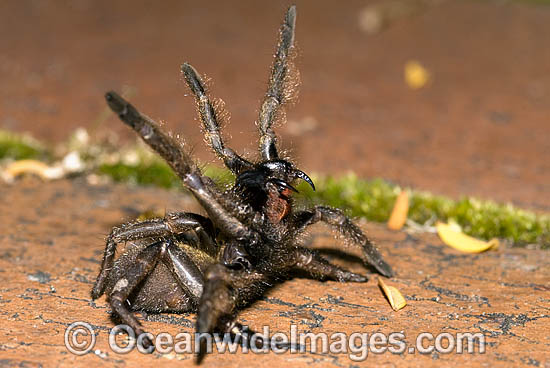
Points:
(209, 118)
(281, 87)
(311, 262)
(171, 225)
(348, 229)
(166, 146)
(173, 152)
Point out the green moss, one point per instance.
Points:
(21, 147)
(374, 199)
(369, 199)
(221, 176)
(155, 173)
(484, 219)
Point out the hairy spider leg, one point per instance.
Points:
(209, 118)
(173, 152)
(184, 271)
(166, 146)
(278, 86)
(145, 262)
(171, 225)
(349, 230)
(224, 291)
(311, 262)
(182, 268)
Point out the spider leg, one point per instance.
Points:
(172, 224)
(310, 261)
(209, 118)
(174, 154)
(166, 146)
(145, 262)
(278, 90)
(224, 290)
(347, 228)
(184, 270)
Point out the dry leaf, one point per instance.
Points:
(400, 210)
(396, 299)
(416, 76)
(31, 167)
(463, 242)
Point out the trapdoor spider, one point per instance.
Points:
(215, 265)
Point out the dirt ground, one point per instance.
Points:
(50, 257)
(480, 127)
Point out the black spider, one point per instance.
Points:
(218, 264)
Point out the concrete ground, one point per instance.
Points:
(480, 127)
(52, 242)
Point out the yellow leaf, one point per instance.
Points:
(463, 242)
(397, 301)
(400, 210)
(416, 76)
(31, 167)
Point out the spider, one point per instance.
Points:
(218, 264)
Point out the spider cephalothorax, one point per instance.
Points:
(268, 187)
(217, 264)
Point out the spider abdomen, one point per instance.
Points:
(159, 291)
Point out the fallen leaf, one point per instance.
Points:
(400, 210)
(463, 242)
(396, 299)
(416, 76)
(31, 167)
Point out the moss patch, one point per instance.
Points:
(20, 147)
(370, 199)
(374, 199)
(156, 174)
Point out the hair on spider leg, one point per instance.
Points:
(250, 237)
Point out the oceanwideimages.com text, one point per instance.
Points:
(80, 338)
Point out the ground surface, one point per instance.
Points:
(480, 127)
(50, 256)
